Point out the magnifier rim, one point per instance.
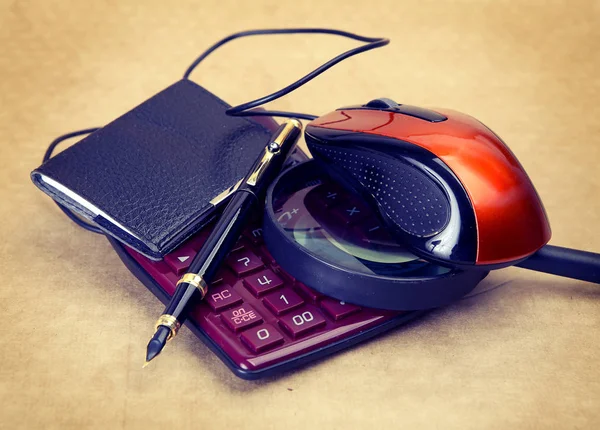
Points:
(419, 292)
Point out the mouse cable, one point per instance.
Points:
(243, 109)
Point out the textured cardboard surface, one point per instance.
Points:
(76, 322)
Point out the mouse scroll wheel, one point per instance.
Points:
(390, 105)
(382, 103)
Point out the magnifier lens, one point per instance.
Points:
(329, 239)
(336, 226)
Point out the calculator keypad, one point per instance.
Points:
(257, 313)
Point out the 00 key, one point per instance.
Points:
(302, 321)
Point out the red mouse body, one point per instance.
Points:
(501, 220)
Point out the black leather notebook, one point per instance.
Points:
(148, 178)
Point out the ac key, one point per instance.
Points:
(222, 297)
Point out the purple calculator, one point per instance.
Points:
(256, 317)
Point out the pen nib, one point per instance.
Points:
(157, 343)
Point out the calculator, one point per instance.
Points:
(257, 318)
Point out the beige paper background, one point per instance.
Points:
(75, 322)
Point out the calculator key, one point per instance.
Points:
(263, 281)
(262, 338)
(357, 235)
(171, 285)
(160, 266)
(222, 297)
(243, 261)
(255, 235)
(338, 310)
(287, 278)
(180, 259)
(218, 278)
(241, 317)
(376, 233)
(267, 255)
(351, 212)
(282, 301)
(309, 293)
(331, 194)
(198, 239)
(238, 245)
(302, 321)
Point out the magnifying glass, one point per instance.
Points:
(329, 239)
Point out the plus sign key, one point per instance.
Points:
(285, 216)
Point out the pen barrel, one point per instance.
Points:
(228, 229)
(210, 257)
(224, 235)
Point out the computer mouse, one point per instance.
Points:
(443, 182)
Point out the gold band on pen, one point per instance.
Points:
(170, 322)
(195, 280)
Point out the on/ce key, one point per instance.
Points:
(241, 317)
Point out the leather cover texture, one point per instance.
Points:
(155, 169)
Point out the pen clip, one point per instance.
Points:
(260, 168)
(226, 193)
(272, 149)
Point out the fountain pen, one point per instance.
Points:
(193, 285)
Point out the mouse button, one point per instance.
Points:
(382, 103)
(412, 199)
(409, 197)
(421, 113)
